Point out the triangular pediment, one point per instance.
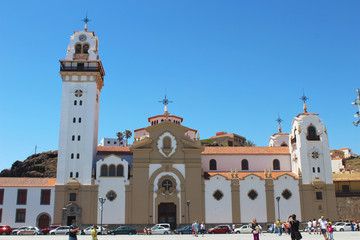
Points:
(145, 143)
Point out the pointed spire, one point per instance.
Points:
(325, 130)
(198, 136)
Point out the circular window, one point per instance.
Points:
(78, 93)
(218, 195)
(286, 194)
(252, 194)
(111, 196)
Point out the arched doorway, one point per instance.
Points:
(167, 214)
(43, 220)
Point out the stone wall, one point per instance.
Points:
(348, 208)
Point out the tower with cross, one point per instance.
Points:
(82, 77)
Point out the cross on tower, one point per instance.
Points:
(279, 120)
(304, 99)
(86, 20)
(165, 101)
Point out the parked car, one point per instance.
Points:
(5, 230)
(244, 229)
(123, 230)
(184, 230)
(49, 228)
(343, 227)
(60, 230)
(165, 225)
(16, 230)
(220, 229)
(88, 230)
(29, 231)
(160, 230)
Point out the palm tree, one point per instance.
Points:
(249, 143)
(120, 137)
(127, 134)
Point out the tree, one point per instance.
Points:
(127, 134)
(120, 137)
(249, 143)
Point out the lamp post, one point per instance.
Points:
(102, 201)
(357, 102)
(278, 200)
(188, 205)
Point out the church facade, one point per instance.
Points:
(167, 175)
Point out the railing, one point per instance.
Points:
(79, 69)
(347, 194)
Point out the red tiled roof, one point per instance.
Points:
(232, 135)
(113, 149)
(246, 150)
(163, 115)
(27, 182)
(343, 148)
(307, 113)
(242, 175)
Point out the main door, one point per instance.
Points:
(43, 221)
(167, 214)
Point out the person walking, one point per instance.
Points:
(94, 233)
(330, 230)
(255, 229)
(202, 228)
(294, 227)
(196, 228)
(314, 226)
(73, 230)
(278, 225)
(323, 224)
(309, 226)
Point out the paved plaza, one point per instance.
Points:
(265, 236)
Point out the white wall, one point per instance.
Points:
(336, 165)
(114, 211)
(250, 209)
(218, 211)
(292, 205)
(256, 162)
(33, 207)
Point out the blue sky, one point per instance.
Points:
(226, 65)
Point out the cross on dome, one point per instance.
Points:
(165, 101)
(279, 120)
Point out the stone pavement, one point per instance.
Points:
(265, 236)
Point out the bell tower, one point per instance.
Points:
(310, 158)
(82, 75)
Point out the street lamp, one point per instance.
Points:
(188, 205)
(278, 200)
(357, 102)
(102, 201)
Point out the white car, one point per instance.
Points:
(15, 231)
(88, 230)
(60, 230)
(160, 230)
(342, 227)
(243, 229)
(29, 231)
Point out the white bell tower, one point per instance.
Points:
(309, 147)
(83, 77)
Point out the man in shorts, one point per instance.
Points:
(323, 226)
(314, 226)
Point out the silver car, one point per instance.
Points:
(160, 230)
(60, 230)
(243, 229)
(29, 231)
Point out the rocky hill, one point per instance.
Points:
(41, 165)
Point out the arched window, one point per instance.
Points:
(104, 170)
(120, 170)
(284, 145)
(112, 170)
(78, 156)
(212, 164)
(276, 164)
(85, 48)
(244, 164)
(77, 174)
(73, 137)
(313, 169)
(78, 48)
(71, 174)
(167, 142)
(75, 102)
(79, 138)
(74, 120)
(72, 156)
(80, 103)
(79, 120)
(311, 134)
(318, 169)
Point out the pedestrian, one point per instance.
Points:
(294, 227)
(309, 226)
(233, 227)
(314, 226)
(193, 228)
(323, 224)
(196, 228)
(278, 225)
(255, 229)
(352, 226)
(202, 227)
(330, 230)
(94, 233)
(73, 230)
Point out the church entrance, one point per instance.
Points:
(70, 219)
(167, 214)
(43, 221)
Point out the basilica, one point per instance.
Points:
(167, 175)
